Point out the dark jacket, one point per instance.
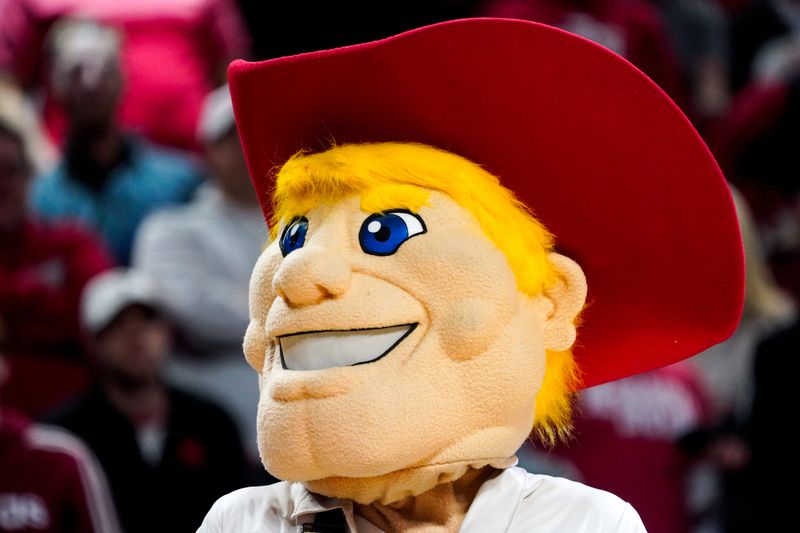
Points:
(202, 459)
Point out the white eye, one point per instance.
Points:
(413, 223)
(383, 233)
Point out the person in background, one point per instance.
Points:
(50, 483)
(168, 455)
(43, 268)
(174, 53)
(728, 370)
(728, 367)
(108, 177)
(201, 256)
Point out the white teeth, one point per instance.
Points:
(328, 349)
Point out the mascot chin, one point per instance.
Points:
(469, 222)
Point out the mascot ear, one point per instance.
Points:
(561, 302)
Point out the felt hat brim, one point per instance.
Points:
(600, 154)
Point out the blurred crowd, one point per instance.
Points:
(128, 231)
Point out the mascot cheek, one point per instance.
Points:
(469, 327)
(255, 343)
(474, 293)
(262, 294)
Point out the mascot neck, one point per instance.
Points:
(442, 508)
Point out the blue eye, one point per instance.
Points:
(383, 233)
(294, 235)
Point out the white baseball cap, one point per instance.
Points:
(109, 293)
(216, 117)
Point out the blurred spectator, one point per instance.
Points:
(698, 30)
(754, 26)
(757, 455)
(728, 370)
(625, 442)
(50, 482)
(201, 256)
(107, 178)
(631, 28)
(43, 269)
(168, 455)
(174, 52)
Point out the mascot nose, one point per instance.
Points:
(311, 275)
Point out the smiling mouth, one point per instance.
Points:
(317, 350)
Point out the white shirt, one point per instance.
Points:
(201, 255)
(512, 501)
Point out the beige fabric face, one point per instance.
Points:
(457, 392)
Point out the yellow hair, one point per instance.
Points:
(553, 414)
(400, 175)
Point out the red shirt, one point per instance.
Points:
(50, 482)
(43, 269)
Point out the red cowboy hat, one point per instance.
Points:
(603, 157)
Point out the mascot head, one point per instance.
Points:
(431, 197)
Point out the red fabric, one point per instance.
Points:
(170, 53)
(605, 160)
(43, 270)
(635, 24)
(625, 442)
(44, 486)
